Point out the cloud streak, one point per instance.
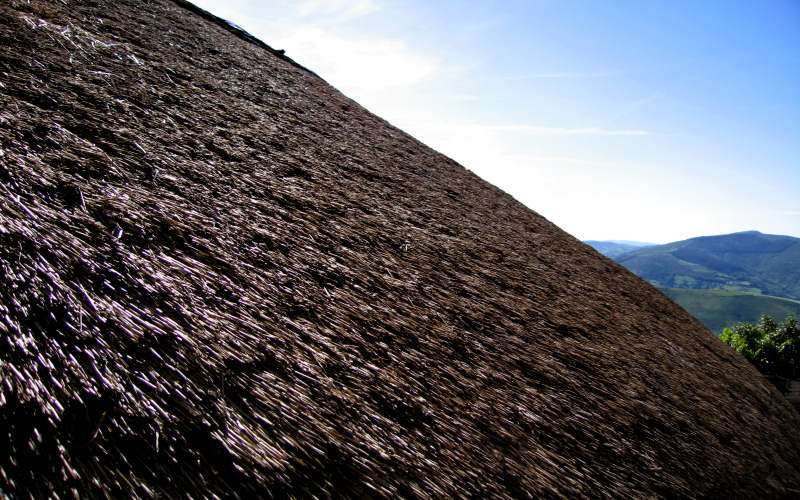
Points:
(319, 35)
(557, 159)
(561, 131)
(353, 64)
(336, 11)
(556, 75)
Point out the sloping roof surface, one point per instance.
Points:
(221, 277)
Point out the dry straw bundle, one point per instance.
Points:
(221, 277)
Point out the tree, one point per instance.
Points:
(773, 348)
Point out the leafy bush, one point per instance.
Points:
(773, 348)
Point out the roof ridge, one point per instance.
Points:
(239, 32)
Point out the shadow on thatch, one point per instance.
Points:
(219, 276)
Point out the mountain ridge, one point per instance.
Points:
(747, 260)
(724, 300)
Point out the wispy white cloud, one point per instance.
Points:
(537, 159)
(554, 75)
(635, 106)
(790, 212)
(335, 11)
(538, 130)
(358, 64)
(316, 34)
(539, 76)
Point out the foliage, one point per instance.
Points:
(773, 348)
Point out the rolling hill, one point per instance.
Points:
(222, 278)
(718, 309)
(747, 261)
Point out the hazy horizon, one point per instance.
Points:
(645, 243)
(645, 122)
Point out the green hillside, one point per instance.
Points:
(615, 248)
(743, 262)
(718, 309)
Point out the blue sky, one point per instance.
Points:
(649, 121)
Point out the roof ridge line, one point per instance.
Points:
(239, 32)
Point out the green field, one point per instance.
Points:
(718, 309)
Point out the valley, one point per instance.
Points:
(721, 280)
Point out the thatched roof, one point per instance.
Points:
(221, 277)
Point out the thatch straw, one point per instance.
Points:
(220, 277)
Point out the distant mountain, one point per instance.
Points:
(615, 248)
(748, 262)
(718, 309)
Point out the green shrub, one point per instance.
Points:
(773, 348)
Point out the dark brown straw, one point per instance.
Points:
(220, 277)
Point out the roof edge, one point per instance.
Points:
(239, 32)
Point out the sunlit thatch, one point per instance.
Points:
(221, 277)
